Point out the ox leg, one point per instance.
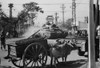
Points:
(64, 59)
(51, 61)
(55, 60)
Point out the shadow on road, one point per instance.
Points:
(68, 64)
(71, 64)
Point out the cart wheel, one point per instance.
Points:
(17, 62)
(35, 55)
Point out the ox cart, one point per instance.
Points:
(36, 53)
(34, 50)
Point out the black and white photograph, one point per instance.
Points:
(49, 33)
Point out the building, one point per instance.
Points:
(83, 25)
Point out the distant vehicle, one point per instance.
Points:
(82, 33)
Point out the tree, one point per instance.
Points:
(26, 17)
(7, 24)
(3, 20)
(29, 12)
(68, 24)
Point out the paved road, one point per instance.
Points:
(72, 57)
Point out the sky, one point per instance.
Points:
(50, 7)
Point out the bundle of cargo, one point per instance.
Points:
(28, 41)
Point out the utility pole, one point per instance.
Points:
(73, 17)
(97, 13)
(91, 37)
(10, 6)
(0, 10)
(63, 12)
(74, 12)
(97, 24)
(56, 18)
(0, 7)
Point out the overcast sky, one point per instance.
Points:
(50, 7)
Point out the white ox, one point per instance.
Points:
(61, 50)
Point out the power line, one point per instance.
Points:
(58, 11)
(54, 3)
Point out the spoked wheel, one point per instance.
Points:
(17, 62)
(35, 55)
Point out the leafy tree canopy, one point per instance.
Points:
(30, 10)
(68, 24)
